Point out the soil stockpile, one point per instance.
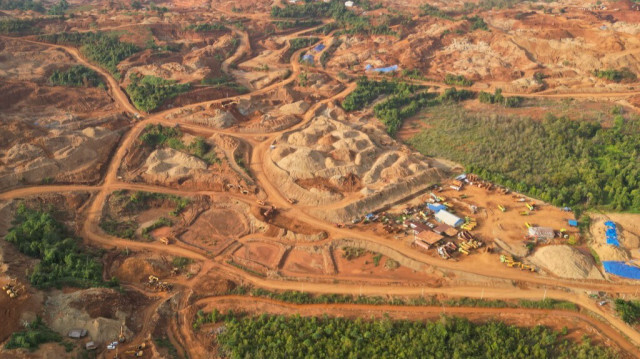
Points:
(566, 262)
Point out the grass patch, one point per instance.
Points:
(166, 343)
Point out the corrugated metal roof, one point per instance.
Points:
(448, 218)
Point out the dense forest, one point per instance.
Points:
(36, 6)
(297, 44)
(558, 160)
(149, 92)
(208, 27)
(351, 22)
(497, 98)
(76, 76)
(450, 337)
(62, 260)
(404, 100)
(103, 48)
(17, 27)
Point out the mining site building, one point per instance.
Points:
(449, 218)
(542, 232)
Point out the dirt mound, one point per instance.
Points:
(566, 262)
(137, 269)
(171, 163)
(607, 252)
(62, 155)
(319, 163)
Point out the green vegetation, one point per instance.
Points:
(491, 4)
(376, 259)
(103, 48)
(477, 23)
(130, 203)
(622, 75)
(155, 136)
(368, 90)
(76, 76)
(161, 222)
(297, 44)
(59, 9)
(324, 58)
(119, 228)
(307, 298)
(149, 92)
(166, 343)
(181, 262)
(268, 336)
(391, 264)
(351, 253)
(457, 80)
(592, 165)
(208, 27)
(402, 103)
(430, 10)
(283, 25)
(225, 81)
(629, 310)
(62, 261)
(24, 5)
(17, 27)
(36, 333)
(349, 20)
(497, 98)
(246, 269)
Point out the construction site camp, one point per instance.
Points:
(319, 179)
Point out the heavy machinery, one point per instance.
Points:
(121, 337)
(135, 353)
(470, 223)
(530, 206)
(13, 288)
(524, 213)
(527, 224)
(502, 208)
(510, 262)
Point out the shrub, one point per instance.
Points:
(149, 92)
(35, 334)
(76, 76)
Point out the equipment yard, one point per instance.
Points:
(217, 156)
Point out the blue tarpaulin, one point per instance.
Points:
(382, 69)
(611, 233)
(573, 223)
(436, 207)
(621, 269)
(307, 58)
(319, 47)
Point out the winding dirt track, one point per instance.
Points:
(91, 232)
